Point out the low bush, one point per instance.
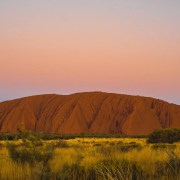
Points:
(97, 144)
(164, 136)
(125, 147)
(61, 144)
(31, 150)
(161, 146)
(29, 154)
(105, 150)
(108, 150)
(8, 136)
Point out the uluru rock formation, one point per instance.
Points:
(92, 112)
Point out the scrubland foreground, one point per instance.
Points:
(88, 158)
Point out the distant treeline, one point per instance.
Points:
(169, 135)
(54, 136)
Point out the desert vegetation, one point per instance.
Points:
(164, 136)
(29, 156)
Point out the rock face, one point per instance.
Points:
(95, 112)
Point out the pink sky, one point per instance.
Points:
(66, 48)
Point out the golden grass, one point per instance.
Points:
(87, 152)
(11, 170)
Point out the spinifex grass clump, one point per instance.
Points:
(61, 144)
(160, 146)
(125, 147)
(76, 171)
(119, 169)
(169, 169)
(108, 150)
(106, 169)
(31, 150)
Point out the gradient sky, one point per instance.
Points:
(68, 46)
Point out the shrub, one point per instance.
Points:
(7, 136)
(129, 147)
(61, 144)
(97, 144)
(24, 153)
(164, 136)
(105, 150)
(30, 151)
(163, 146)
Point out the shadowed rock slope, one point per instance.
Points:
(95, 112)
